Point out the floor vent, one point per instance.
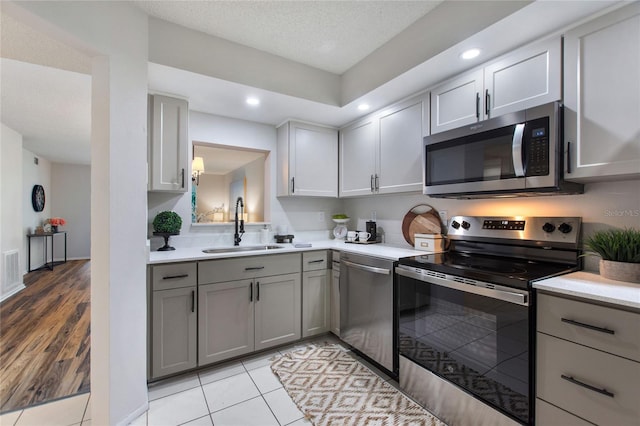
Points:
(11, 267)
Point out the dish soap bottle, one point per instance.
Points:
(264, 235)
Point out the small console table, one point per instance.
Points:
(46, 236)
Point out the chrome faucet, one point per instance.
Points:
(237, 236)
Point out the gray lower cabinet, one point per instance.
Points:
(316, 279)
(173, 318)
(247, 304)
(587, 367)
(226, 320)
(334, 295)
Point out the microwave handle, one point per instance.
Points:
(516, 150)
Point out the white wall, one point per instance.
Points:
(11, 195)
(115, 34)
(34, 174)
(607, 204)
(71, 200)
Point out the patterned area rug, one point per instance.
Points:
(331, 388)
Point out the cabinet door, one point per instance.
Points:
(457, 102)
(357, 158)
(335, 302)
(173, 331)
(168, 151)
(225, 320)
(400, 160)
(277, 310)
(529, 77)
(315, 302)
(313, 161)
(602, 97)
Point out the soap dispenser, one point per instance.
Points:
(264, 235)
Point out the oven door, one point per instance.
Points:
(475, 335)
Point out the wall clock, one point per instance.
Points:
(37, 198)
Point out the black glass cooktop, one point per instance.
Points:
(511, 272)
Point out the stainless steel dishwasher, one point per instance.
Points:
(366, 307)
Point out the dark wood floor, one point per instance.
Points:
(45, 337)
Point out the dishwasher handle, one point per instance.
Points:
(381, 271)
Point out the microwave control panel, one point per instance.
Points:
(537, 158)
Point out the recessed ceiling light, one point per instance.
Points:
(363, 107)
(470, 54)
(253, 101)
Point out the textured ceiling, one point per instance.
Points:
(329, 35)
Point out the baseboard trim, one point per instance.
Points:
(16, 290)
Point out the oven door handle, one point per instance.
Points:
(382, 271)
(516, 150)
(494, 293)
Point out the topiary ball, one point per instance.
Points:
(167, 221)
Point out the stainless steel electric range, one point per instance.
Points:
(466, 318)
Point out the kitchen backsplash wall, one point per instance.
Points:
(605, 204)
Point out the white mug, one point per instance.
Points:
(363, 236)
(351, 236)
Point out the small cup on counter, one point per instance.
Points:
(363, 236)
(352, 236)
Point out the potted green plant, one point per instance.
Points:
(166, 224)
(620, 253)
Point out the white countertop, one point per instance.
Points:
(384, 251)
(591, 286)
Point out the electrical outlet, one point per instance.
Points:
(320, 216)
(444, 217)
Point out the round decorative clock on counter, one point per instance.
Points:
(37, 198)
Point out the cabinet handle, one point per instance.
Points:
(258, 291)
(569, 157)
(254, 268)
(589, 326)
(371, 184)
(584, 385)
(293, 185)
(173, 277)
(193, 300)
(251, 292)
(316, 261)
(182, 177)
(478, 105)
(487, 99)
(377, 183)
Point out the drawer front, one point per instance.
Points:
(574, 320)
(550, 415)
(239, 268)
(614, 381)
(315, 260)
(173, 275)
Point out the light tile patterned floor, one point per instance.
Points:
(243, 392)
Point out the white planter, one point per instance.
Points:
(620, 271)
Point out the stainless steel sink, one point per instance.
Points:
(240, 248)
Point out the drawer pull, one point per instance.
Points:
(590, 327)
(584, 385)
(316, 261)
(254, 268)
(175, 277)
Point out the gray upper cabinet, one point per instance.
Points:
(307, 160)
(358, 158)
(168, 151)
(602, 97)
(382, 153)
(457, 102)
(524, 78)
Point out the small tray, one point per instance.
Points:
(363, 242)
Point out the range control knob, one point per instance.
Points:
(465, 224)
(565, 228)
(548, 227)
(455, 224)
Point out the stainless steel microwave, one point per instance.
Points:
(517, 154)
